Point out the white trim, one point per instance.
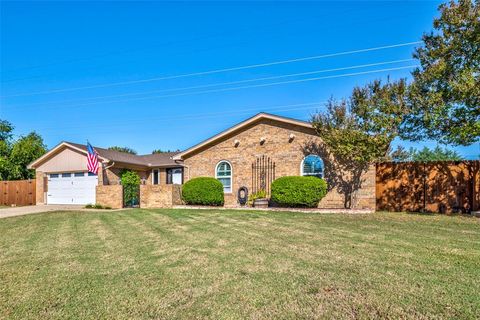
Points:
(231, 175)
(301, 166)
(262, 115)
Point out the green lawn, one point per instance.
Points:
(169, 264)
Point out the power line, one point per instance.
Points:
(291, 107)
(222, 83)
(217, 70)
(249, 86)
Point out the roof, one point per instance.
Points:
(239, 126)
(168, 158)
(148, 160)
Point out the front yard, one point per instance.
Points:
(235, 264)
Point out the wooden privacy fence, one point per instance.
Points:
(18, 192)
(443, 186)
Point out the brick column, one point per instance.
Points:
(40, 188)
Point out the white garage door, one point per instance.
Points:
(71, 188)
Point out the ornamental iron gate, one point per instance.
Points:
(263, 174)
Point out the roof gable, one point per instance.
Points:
(106, 155)
(238, 127)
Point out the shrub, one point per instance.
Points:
(257, 195)
(96, 206)
(131, 182)
(298, 191)
(203, 191)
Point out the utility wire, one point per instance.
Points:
(248, 110)
(217, 70)
(246, 87)
(221, 83)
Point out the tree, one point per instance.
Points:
(24, 151)
(16, 155)
(359, 131)
(163, 151)
(6, 134)
(424, 155)
(399, 155)
(362, 129)
(123, 149)
(437, 154)
(445, 93)
(6, 129)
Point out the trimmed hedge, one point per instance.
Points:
(203, 191)
(298, 191)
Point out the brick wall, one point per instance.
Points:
(110, 195)
(41, 188)
(160, 196)
(111, 176)
(287, 154)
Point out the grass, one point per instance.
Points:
(170, 264)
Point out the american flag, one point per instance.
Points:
(92, 159)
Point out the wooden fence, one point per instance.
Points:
(443, 186)
(18, 192)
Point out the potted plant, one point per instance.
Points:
(258, 199)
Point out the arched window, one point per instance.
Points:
(312, 165)
(223, 172)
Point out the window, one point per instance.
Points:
(54, 175)
(91, 174)
(66, 175)
(155, 176)
(79, 174)
(223, 173)
(312, 165)
(175, 176)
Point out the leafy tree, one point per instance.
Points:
(24, 151)
(6, 134)
(424, 155)
(123, 149)
(6, 130)
(445, 93)
(399, 155)
(163, 151)
(437, 154)
(359, 131)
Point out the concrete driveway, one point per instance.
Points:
(20, 211)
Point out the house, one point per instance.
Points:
(250, 154)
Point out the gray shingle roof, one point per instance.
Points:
(149, 160)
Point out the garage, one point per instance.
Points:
(71, 188)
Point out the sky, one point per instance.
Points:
(139, 74)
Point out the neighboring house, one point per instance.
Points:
(250, 154)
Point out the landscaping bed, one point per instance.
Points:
(230, 264)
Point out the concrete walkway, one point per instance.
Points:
(20, 211)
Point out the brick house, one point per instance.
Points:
(250, 154)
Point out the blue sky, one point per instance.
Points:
(59, 48)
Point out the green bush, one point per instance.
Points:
(203, 191)
(131, 184)
(96, 206)
(257, 195)
(298, 191)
